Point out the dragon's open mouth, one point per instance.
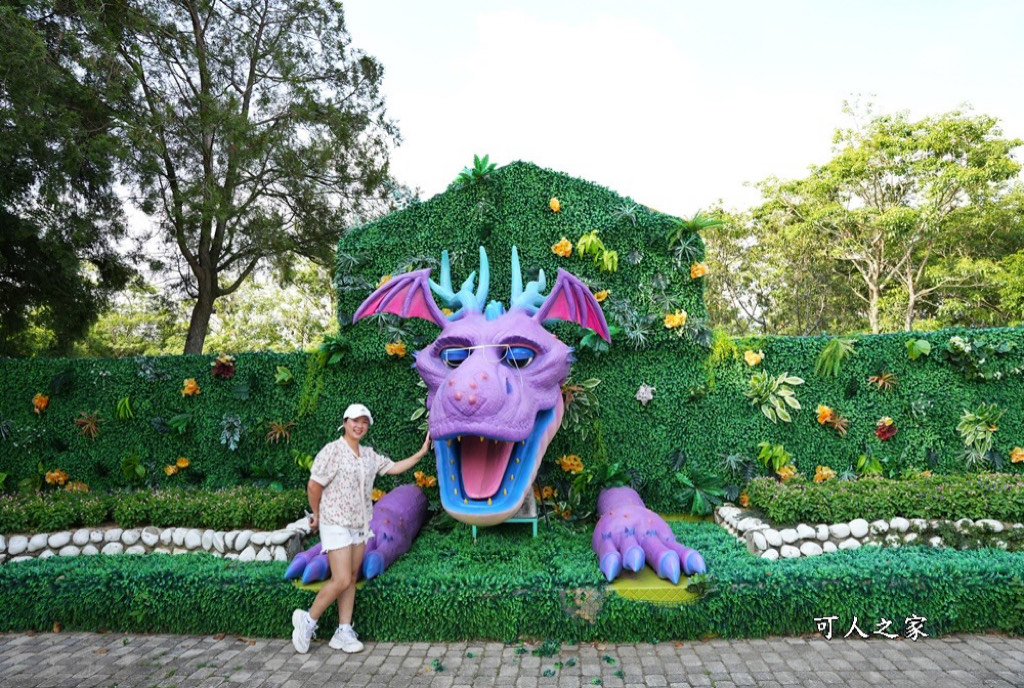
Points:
(484, 480)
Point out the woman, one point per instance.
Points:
(340, 485)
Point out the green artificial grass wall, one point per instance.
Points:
(699, 378)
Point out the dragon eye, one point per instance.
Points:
(518, 356)
(454, 356)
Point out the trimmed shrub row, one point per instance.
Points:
(229, 509)
(975, 496)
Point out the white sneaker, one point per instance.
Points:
(304, 627)
(345, 639)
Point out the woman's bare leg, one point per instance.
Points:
(347, 600)
(341, 580)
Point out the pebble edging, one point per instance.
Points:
(803, 540)
(243, 545)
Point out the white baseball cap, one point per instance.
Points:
(357, 411)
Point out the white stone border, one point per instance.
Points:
(243, 545)
(803, 540)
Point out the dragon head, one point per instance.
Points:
(493, 379)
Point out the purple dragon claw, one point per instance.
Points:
(397, 519)
(300, 561)
(317, 569)
(628, 534)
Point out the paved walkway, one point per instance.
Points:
(108, 660)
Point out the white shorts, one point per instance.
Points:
(336, 537)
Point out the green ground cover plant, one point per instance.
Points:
(506, 586)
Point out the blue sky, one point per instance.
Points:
(676, 104)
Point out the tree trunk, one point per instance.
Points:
(874, 296)
(199, 325)
(908, 321)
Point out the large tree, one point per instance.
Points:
(259, 131)
(889, 201)
(60, 218)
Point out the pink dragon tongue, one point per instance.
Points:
(483, 466)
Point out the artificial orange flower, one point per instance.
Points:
(571, 463)
(536, 492)
(56, 477)
(926, 474)
(674, 320)
(824, 414)
(424, 480)
(170, 469)
(190, 388)
(823, 473)
(564, 513)
(698, 270)
(601, 295)
(744, 500)
(554, 204)
(563, 248)
(547, 492)
(396, 349)
(377, 494)
(383, 280)
(39, 403)
(76, 486)
(785, 473)
(751, 358)
(1017, 455)
(182, 462)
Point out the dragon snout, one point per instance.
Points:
(470, 392)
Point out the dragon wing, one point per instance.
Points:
(407, 296)
(571, 300)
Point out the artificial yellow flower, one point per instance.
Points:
(601, 295)
(824, 414)
(926, 474)
(383, 280)
(547, 492)
(751, 358)
(190, 388)
(563, 248)
(447, 311)
(1017, 455)
(182, 462)
(823, 473)
(554, 204)
(698, 270)
(39, 403)
(377, 494)
(674, 320)
(744, 500)
(396, 349)
(170, 469)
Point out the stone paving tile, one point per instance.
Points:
(89, 660)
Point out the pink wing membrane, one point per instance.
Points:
(571, 300)
(407, 296)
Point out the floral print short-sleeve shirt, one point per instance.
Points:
(348, 483)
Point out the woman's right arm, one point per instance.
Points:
(315, 491)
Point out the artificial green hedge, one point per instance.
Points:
(506, 586)
(698, 414)
(228, 509)
(984, 496)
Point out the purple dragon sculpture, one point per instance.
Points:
(493, 379)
